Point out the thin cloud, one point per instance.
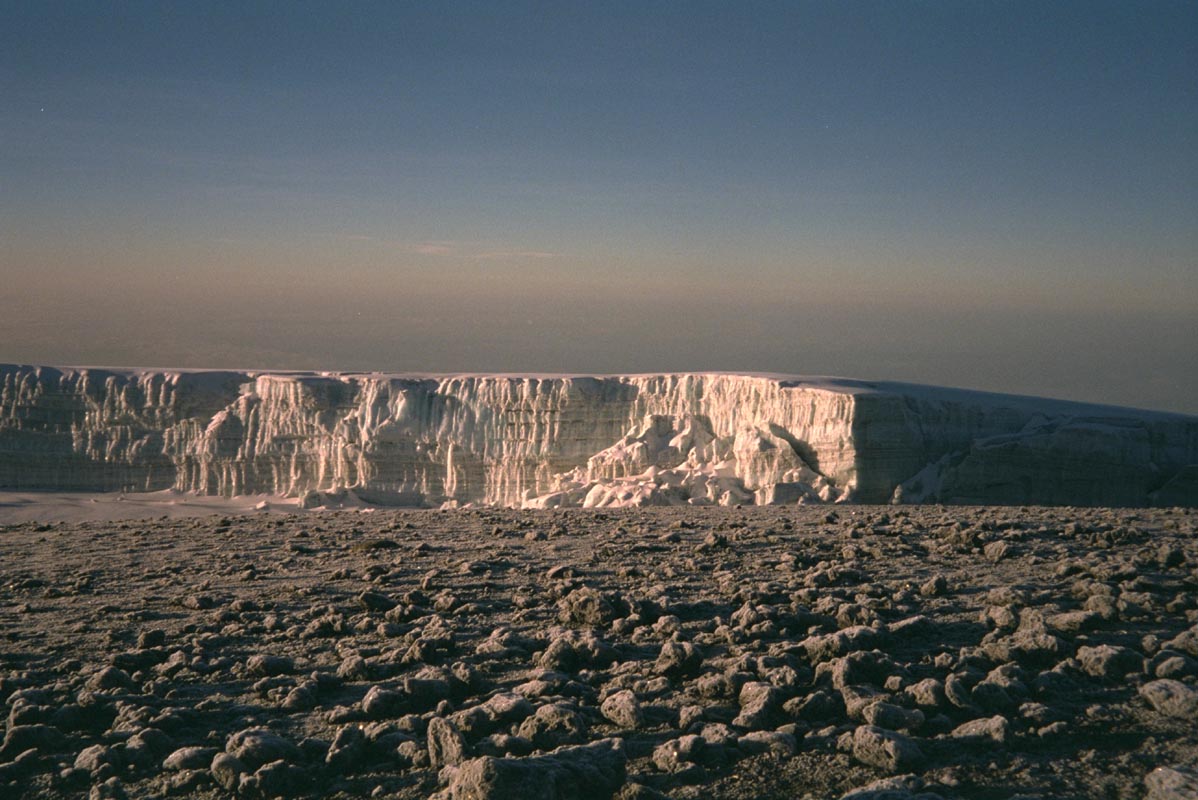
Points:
(540, 254)
(454, 247)
(435, 248)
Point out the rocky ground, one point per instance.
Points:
(729, 653)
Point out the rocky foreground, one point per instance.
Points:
(731, 653)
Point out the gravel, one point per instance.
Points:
(901, 652)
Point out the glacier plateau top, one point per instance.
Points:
(541, 441)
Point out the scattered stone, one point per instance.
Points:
(778, 742)
(678, 660)
(759, 706)
(257, 746)
(885, 749)
(111, 678)
(588, 772)
(935, 586)
(276, 779)
(42, 738)
(380, 703)
(995, 728)
(586, 606)
(1109, 663)
(190, 758)
(227, 770)
(892, 717)
(856, 644)
(1172, 698)
(831, 645)
(554, 725)
(446, 745)
(94, 758)
(679, 754)
(1172, 783)
(347, 751)
(622, 708)
(265, 666)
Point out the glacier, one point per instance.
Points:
(545, 441)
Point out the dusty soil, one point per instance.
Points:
(727, 653)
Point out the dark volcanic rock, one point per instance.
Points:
(1172, 698)
(800, 654)
(588, 772)
(257, 746)
(885, 749)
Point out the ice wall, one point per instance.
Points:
(578, 440)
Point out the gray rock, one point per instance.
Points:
(991, 696)
(864, 667)
(899, 787)
(1177, 666)
(892, 717)
(554, 725)
(575, 651)
(934, 586)
(755, 742)
(111, 789)
(426, 690)
(151, 638)
(227, 770)
(997, 551)
(759, 705)
(589, 772)
(858, 698)
(446, 745)
(679, 754)
(1185, 642)
(153, 740)
(507, 708)
(265, 666)
(94, 758)
(41, 738)
(379, 702)
(586, 606)
(301, 698)
(885, 749)
(831, 645)
(1171, 698)
(928, 693)
(348, 749)
(257, 746)
(639, 791)
(623, 709)
(1172, 783)
(374, 601)
(1037, 646)
(995, 728)
(189, 758)
(819, 706)
(353, 668)
(1071, 622)
(276, 779)
(110, 679)
(678, 660)
(957, 692)
(1109, 663)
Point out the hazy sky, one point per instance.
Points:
(1001, 195)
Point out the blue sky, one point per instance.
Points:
(993, 194)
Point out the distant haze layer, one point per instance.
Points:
(998, 196)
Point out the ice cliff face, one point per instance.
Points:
(566, 441)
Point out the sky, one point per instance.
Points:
(997, 195)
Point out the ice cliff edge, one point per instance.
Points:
(580, 440)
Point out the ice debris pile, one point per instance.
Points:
(593, 441)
